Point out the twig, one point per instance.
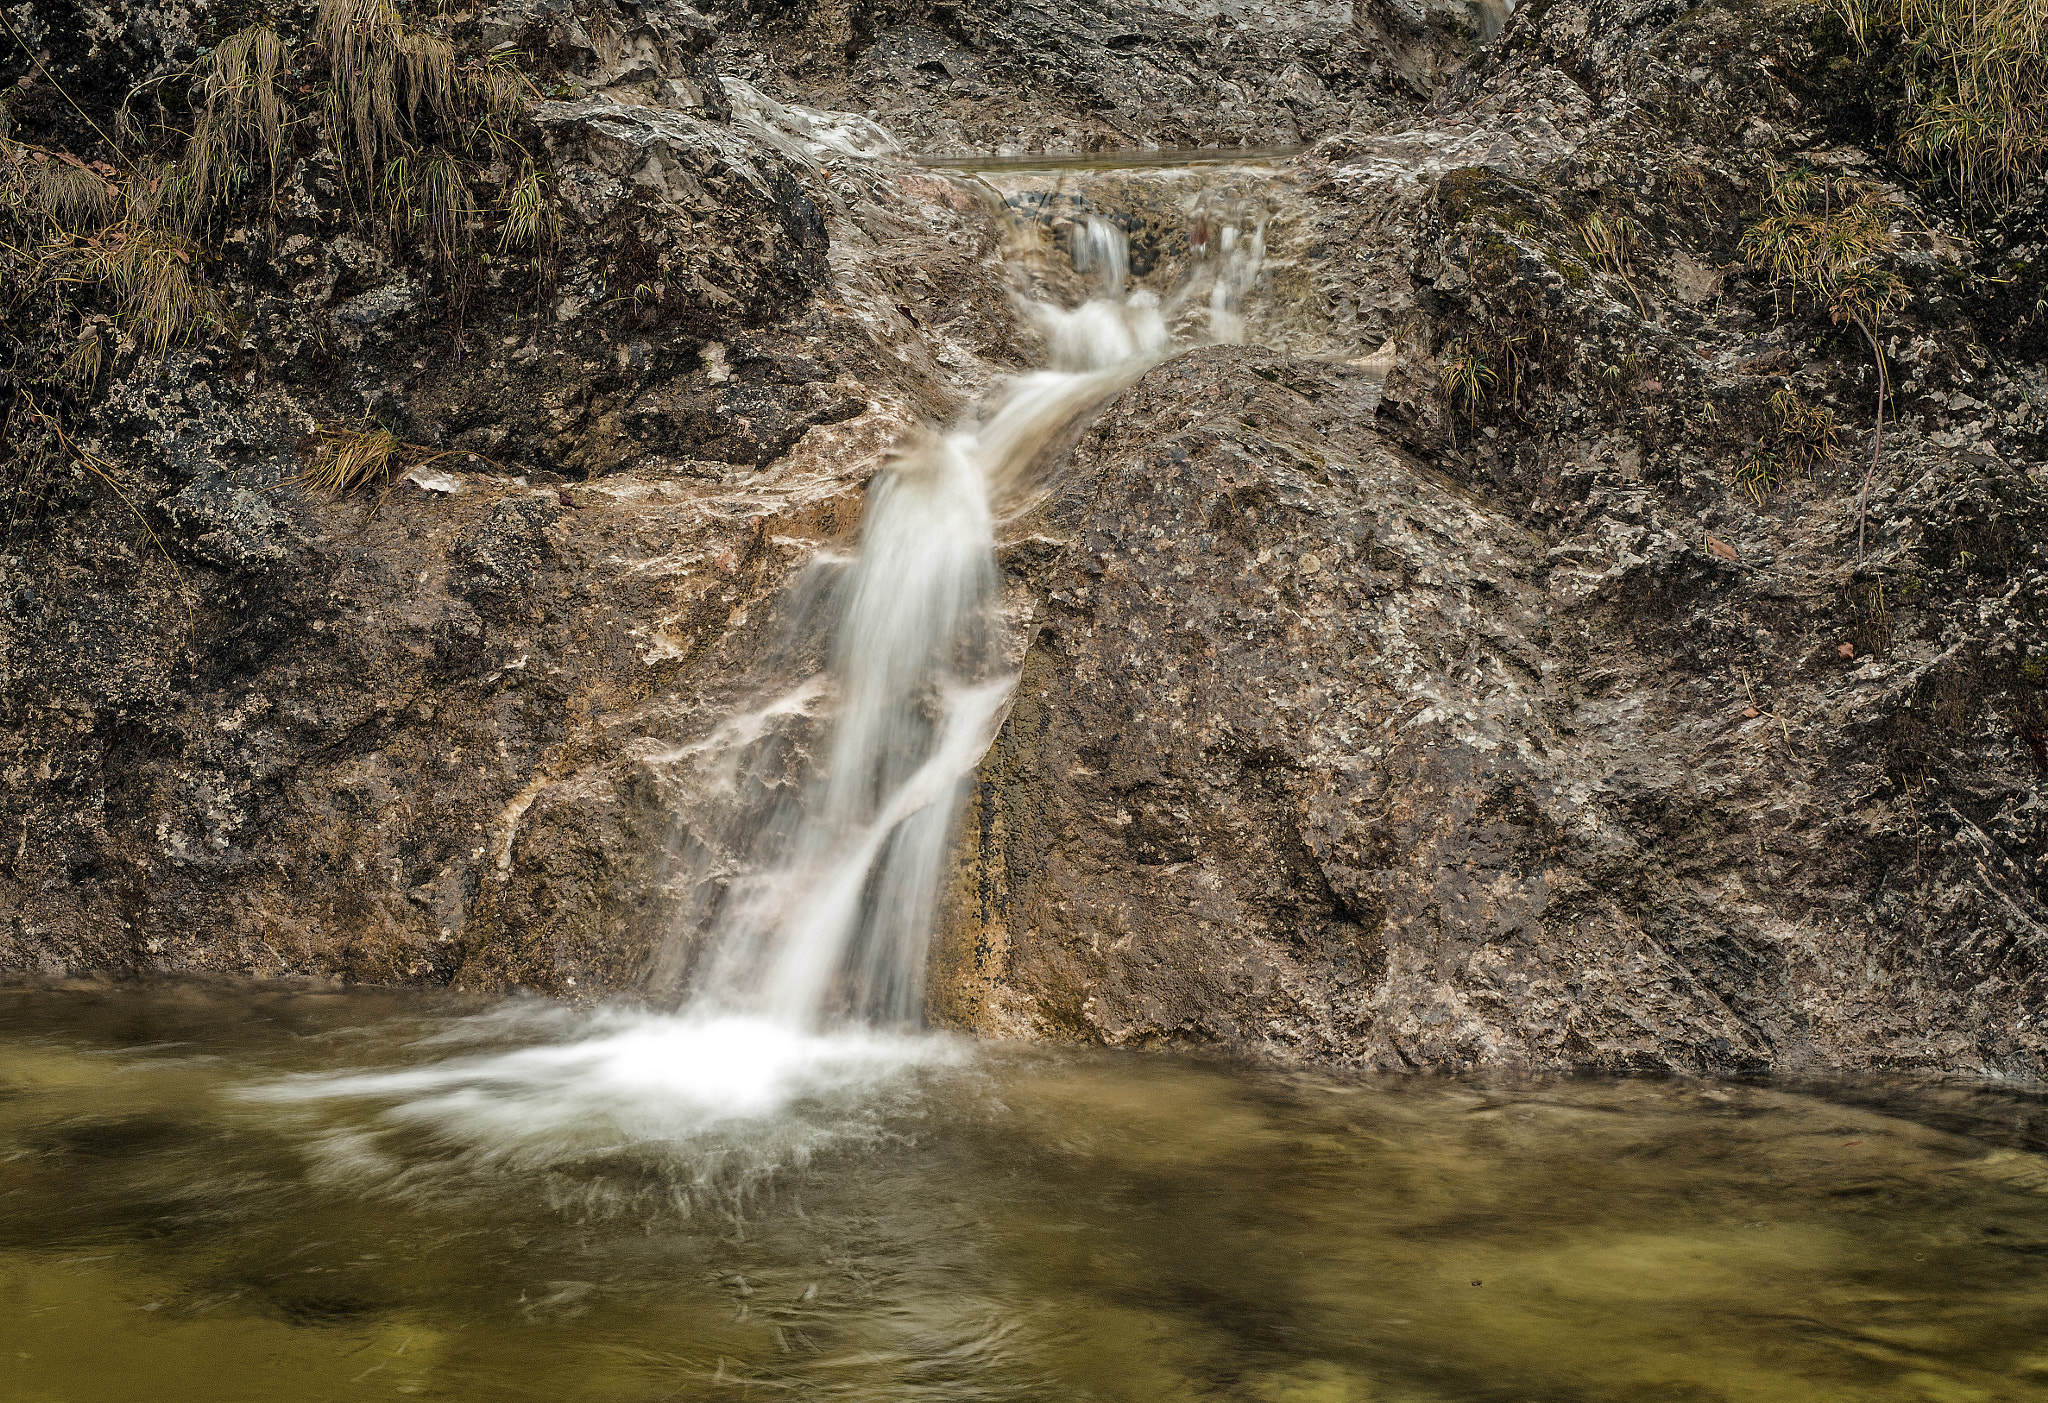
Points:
(104, 471)
(48, 77)
(1884, 382)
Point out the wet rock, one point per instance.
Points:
(1071, 76)
(713, 228)
(1320, 755)
(1359, 722)
(249, 727)
(1644, 806)
(651, 55)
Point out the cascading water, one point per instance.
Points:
(834, 922)
(800, 957)
(1103, 249)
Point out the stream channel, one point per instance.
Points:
(771, 1185)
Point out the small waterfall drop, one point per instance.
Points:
(1102, 249)
(832, 922)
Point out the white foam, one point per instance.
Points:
(622, 1078)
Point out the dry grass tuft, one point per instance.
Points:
(1467, 378)
(1611, 240)
(345, 460)
(1974, 75)
(87, 355)
(242, 115)
(69, 193)
(159, 298)
(385, 81)
(1828, 238)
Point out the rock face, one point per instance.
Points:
(1525, 701)
(1321, 753)
(1084, 75)
(1520, 734)
(399, 736)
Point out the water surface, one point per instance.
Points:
(219, 1192)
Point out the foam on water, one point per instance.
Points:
(645, 1076)
(701, 1107)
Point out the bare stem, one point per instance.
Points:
(1876, 434)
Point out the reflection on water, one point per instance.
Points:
(212, 1193)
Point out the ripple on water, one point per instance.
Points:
(250, 1194)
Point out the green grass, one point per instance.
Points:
(1468, 378)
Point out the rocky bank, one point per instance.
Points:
(1517, 698)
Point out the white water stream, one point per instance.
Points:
(831, 923)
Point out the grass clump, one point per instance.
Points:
(343, 460)
(1972, 76)
(79, 237)
(532, 218)
(1798, 439)
(105, 258)
(1830, 238)
(347, 459)
(241, 118)
(1610, 240)
(1468, 378)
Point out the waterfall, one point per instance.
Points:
(830, 919)
(1102, 249)
(822, 816)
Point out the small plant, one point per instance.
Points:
(381, 75)
(532, 218)
(1806, 432)
(1759, 475)
(345, 460)
(241, 119)
(1610, 240)
(1873, 632)
(1800, 437)
(1468, 378)
(1689, 179)
(443, 207)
